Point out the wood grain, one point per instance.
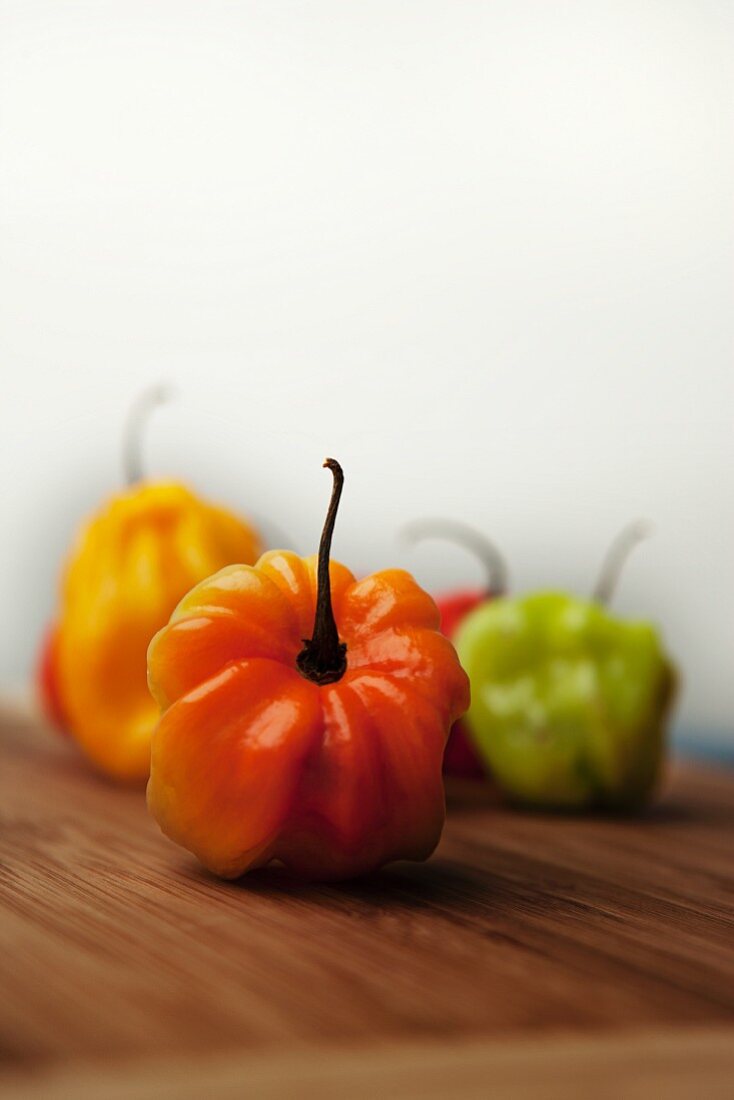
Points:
(568, 939)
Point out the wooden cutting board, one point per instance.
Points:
(534, 955)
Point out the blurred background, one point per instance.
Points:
(479, 251)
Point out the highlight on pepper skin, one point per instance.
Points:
(325, 756)
(130, 565)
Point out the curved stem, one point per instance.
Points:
(323, 658)
(464, 535)
(616, 556)
(140, 410)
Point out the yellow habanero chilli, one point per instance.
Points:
(130, 567)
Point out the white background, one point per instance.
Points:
(481, 252)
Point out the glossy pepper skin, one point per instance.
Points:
(130, 566)
(267, 750)
(569, 704)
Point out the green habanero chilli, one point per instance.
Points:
(569, 703)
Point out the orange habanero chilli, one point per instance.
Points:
(323, 754)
